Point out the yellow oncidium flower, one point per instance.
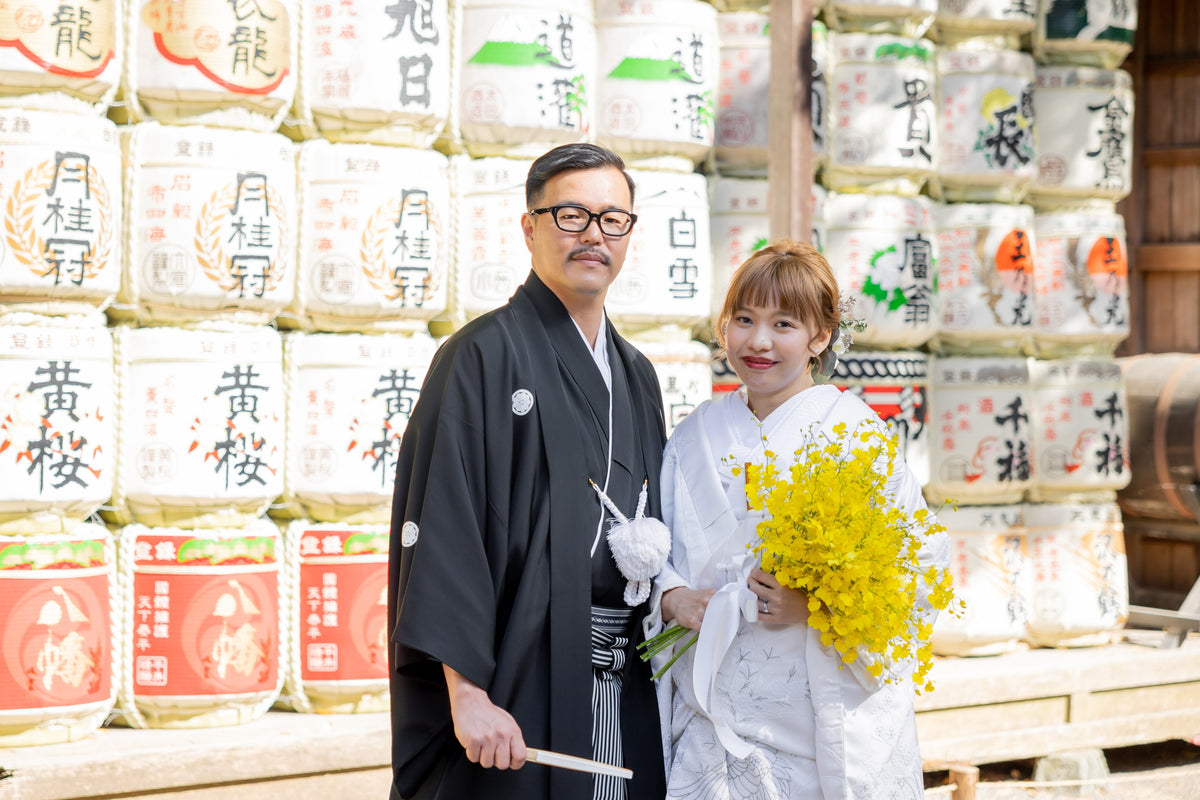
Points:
(829, 530)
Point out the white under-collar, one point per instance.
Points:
(600, 351)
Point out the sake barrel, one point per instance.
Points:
(59, 56)
(1081, 283)
(739, 223)
(60, 185)
(684, 375)
(490, 259)
(1085, 135)
(210, 232)
(964, 20)
(883, 113)
(57, 628)
(1163, 395)
(981, 445)
(883, 249)
(909, 17)
(740, 137)
(819, 95)
(199, 625)
(985, 140)
(201, 430)
(1080, 430)
(374, 72)
(993, 576)
(349, 399)
(724, 379)
(526, 71)
(203, 62)
(374, 249)
(657, 69)
(334, 629)
(1080, 580)
(1088, 32)
(896, 387)
(57, 444)
(985, 273)
(668, 272)
(819, 235)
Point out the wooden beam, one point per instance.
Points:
(1171, 257)
(1180, 64)
(789, 125)
(1171, 156)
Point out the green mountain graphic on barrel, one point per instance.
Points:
(652, 69)
(531, 54)
(516, 54)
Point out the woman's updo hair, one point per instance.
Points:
(790, 275)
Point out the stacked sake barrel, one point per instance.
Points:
(1038, 268)
(637, 78)
(147, 272)
(210, 261)
(378, 222)
(60, 195)
(987, 263)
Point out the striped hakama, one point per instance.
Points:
(610, 637)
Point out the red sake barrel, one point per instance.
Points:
(200, 625)
(1163, 397)
(56, 635)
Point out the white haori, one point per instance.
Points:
(785, 714)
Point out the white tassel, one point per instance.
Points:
(639, 546)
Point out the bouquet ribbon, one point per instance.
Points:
(717, 631)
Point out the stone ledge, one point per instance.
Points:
(1029, 704)
(209, 762)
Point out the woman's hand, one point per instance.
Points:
(783, 605)
(686, 606)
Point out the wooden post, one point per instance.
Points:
(1133, 207)
(964, 777)
(789, 127)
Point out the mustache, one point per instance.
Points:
(590, 251)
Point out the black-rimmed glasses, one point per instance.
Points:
(575, 219)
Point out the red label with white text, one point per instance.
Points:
(57, 636)
(343, 621)
(206, 634)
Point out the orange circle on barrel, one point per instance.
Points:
(1014, 264)
(1107, 257)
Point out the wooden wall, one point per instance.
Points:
(1162, 214)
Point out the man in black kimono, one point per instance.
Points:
(508, 625)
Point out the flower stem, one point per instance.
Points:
(675, 657)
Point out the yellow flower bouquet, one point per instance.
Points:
(830, 530)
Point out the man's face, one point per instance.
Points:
(578, 266)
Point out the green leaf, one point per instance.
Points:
(874, 291)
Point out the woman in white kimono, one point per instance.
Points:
(758, 708)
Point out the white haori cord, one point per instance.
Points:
(640, 546)
(607, 474)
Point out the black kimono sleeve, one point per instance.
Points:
(444, 608)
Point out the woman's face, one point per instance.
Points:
(770, 350)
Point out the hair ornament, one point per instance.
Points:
(840, 340)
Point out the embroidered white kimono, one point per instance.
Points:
(756, 710)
